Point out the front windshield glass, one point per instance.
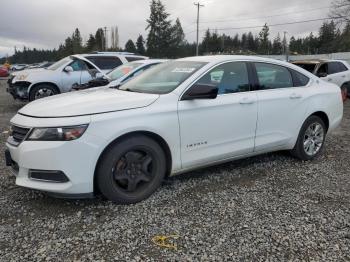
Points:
(59, 63)
(164, 78)
(123, 70)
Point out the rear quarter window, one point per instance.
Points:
(299, 79)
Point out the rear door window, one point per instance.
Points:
(133, 58)
(105, 62)
(273, 76)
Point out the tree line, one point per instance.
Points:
(166, 39)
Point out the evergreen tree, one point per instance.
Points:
(327, 36)
(264, 42)
(77, 42)
(159, 26)
(140, 45)
(177, 40)
(277, 45)
(130, 46)
(100, 39)
(91, 44)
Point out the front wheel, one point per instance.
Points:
(42, 91)
(311, 139)
(131, 170)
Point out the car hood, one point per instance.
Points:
(29, 74)
(87, 102)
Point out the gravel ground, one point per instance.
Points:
(270, 207)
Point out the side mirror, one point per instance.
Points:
(99, 75)
(322, 74)
(68, 69)
(200, 91)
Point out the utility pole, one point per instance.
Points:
(198, 6)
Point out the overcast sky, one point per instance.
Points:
(46, 23)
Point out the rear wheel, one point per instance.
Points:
(344, 92)
(42, 91)
(311, 139)
(131, 170)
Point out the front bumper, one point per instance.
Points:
(18, 90)
(75, 159)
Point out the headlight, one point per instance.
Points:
(21, 77)
(57, 133)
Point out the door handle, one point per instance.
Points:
(330, 79)
(247, 101)
(343, 76)
(295, 96)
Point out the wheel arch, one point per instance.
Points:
(44, 83)
(323, 116)
(159, 139)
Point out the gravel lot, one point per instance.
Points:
(270, 207)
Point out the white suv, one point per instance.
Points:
(175, 117)
(333, 71)
(58, 78)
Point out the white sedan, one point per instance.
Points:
(178, 116)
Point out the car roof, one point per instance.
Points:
(125, 54)
(315, 61)
(150, 61)
(226, 58)
(223, 58)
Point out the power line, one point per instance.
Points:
(272, 25)
(262, 17)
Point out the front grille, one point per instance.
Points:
(19, 133)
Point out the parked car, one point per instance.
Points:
(334, 71)
(58, 78)
(18, 67)
(175, 117)
(121, 74)
(4, 72)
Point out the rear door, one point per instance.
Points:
(281, 105)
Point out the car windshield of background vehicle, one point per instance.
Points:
(307, 67)
(59, 63)
(164, 78)
(123, 70)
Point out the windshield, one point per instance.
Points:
(163, 78)
(59, 63)
(123, 70)
(307, 67)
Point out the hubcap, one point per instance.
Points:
(133, 170)
(313, 139)
(44, 92)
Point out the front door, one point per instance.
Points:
(220, 128)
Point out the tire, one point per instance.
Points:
(344, 92)
(299, 150)
(131, 170)
(45, 90)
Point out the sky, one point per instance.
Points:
(46, 23)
